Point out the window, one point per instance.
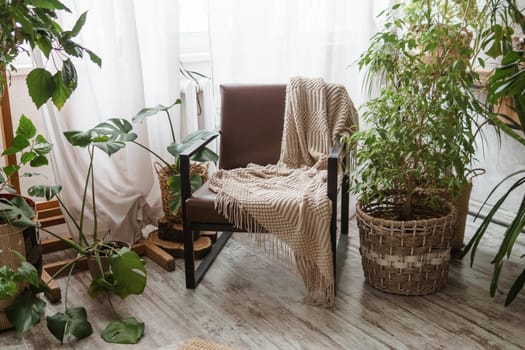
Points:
(194, 45)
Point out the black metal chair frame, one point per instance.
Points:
(194, 276)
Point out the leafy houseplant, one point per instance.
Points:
(420, 138)
(172, 170)
(126, 273)
(508, 80)
(34, 23)
(30, 24)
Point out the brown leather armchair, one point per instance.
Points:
(252, 118)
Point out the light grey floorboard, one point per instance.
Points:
(249, 301)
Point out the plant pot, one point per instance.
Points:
(405, 257)
(461, 204)
(505, 107)
(24, 241)
(164, 173)
(97, 270)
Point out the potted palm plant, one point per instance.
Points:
(503, 40)
(419, 144)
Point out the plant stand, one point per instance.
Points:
(170, 237)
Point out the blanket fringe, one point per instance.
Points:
(235, 214)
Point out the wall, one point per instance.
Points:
(499, 157)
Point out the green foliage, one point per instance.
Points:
(72, 323)
(26, 309)
(127, 275)
(16, 212)
(109, 136)
(420, 133)
(35, 23)
(126, 331)
(176, 149)
(508, 80)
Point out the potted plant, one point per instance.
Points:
(419, 144)
(124, 273)
(169, 172)
(26, 25)
(507, 81)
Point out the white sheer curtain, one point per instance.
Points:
(138, 43)
(268, 41)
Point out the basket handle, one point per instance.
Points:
(158, 167)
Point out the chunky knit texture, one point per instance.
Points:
(289, 199)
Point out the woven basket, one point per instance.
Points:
(405, 257)
(164, 173)
(11, 238)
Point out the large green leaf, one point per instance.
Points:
(147, 112)
(62, 91)
(25, 311)
(72, 323)
(27, 157)
(27, 272)
(78, 138)
(206, 155)
(38, 161)
(128, 270)
(126, 331)
(9, 170)
(25, 128)
(198, 135)
(78, 25)
(175, 149)
(41, 86)
(69, 74)
(41, 146)
(94, 57)
(515, 289)
(16, 212)
(44, 191)
(18, 144)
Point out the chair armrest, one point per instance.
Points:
(184, 159)
(333, 159)
(336, 150)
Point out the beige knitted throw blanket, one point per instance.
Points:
(289, 199)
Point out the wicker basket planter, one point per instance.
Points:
(164, 173)
(405, 257)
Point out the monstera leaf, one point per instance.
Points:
(109, 136)
(72, 323)
(16, 212)
(126, 331)
(127, 275)
(26, 310)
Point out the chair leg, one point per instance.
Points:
(189, 259)
(345, 199)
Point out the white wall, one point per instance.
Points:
(499, 158)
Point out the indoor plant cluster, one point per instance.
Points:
(420, 141)
(503, 41)
(26, 25)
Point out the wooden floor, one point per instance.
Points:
(249, 301)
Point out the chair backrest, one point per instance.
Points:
(252, 118)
